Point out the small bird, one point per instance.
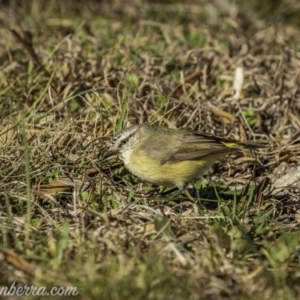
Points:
(170, 157)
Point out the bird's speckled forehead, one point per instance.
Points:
(115, 138)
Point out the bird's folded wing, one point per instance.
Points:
(196, 147)
(185, 147)
(192, 146)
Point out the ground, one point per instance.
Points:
(74, 73)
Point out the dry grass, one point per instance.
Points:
(72, 75)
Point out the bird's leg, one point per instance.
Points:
(163, 194)
(190, 196)
(180, 190)
(177, 191)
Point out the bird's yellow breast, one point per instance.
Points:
(168, 174)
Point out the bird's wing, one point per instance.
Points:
(185, 147)
(161, 149)
(196, 146)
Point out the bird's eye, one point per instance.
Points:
(124, 142)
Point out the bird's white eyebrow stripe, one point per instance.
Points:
(119, 135)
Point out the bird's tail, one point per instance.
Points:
(244, 145)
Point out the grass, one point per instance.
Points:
(74, 74)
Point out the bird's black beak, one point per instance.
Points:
(109, 154)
